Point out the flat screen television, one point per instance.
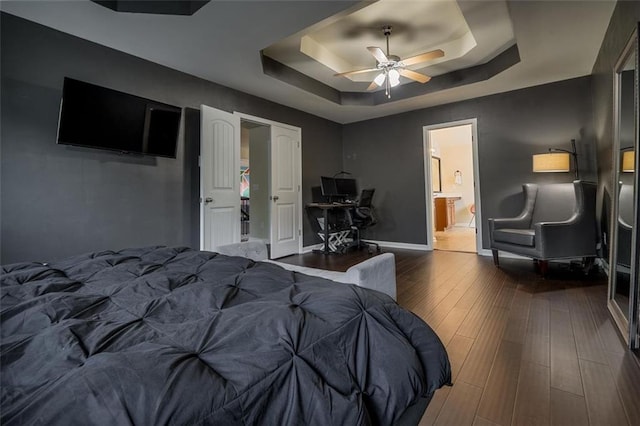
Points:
(97, 117)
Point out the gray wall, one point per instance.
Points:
(59, 200)
(387, 153)
(623, 21)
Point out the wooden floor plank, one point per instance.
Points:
(435, 406)
(626, 376)
(565, 370)
(518, 316)
(460, 407)
(536, 339)
(568, 409)
(458, 350)
(533, 400)
(587, 340)
(603, 402)
(479, 421)
(499, 394)
(607, 331)
(488, 275)
(439, 291)
(479, 311)
(436, 290)
(446, 330)
(478, 365)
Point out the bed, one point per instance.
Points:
(161, 335)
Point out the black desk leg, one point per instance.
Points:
(325, 230)
(325, 215)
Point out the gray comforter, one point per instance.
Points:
(174, 336)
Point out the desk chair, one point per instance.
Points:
(362, 218)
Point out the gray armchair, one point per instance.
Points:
(625, 227)
(558, 222)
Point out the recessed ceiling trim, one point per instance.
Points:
(277, 70)
(158, 7)
(321, 54)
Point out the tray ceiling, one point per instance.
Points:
(518, 44)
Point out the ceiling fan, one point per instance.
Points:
(391, 67)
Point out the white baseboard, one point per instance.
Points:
(407, 246)
(423, 247)
(504, 254)
(387, 244)
(309, 249)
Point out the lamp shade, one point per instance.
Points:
(628, 161)
(551, 162)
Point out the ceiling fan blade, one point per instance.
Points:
(420, 78)
(372, 86)
(378, 54)
(356, 72)
(424, 57)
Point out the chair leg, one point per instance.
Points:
(544, 267)
(496, 260)
(587, 264)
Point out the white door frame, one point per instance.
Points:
(476, 178)
(267, 122)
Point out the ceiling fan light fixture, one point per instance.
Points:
(391, 67)
(394, 77)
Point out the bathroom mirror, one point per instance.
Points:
(623, 270)
(436, 174)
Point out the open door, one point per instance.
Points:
(219, 178)
(285, 191)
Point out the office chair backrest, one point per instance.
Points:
(366, 197)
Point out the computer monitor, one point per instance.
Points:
(347, 188)
(328, 185)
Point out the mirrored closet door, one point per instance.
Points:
(623, 274)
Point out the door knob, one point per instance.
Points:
(208, 200)
(275, 198)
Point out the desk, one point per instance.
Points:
(325, 207)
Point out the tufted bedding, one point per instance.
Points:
(175, 336)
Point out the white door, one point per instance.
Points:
(219, 178)
(285, 191)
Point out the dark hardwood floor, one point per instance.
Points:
(523, 350)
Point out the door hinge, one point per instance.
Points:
(299, 232)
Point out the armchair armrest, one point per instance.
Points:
(523, 220)
(377, 273)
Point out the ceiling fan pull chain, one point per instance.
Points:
(387, 86)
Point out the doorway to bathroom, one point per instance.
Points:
(451, 186)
